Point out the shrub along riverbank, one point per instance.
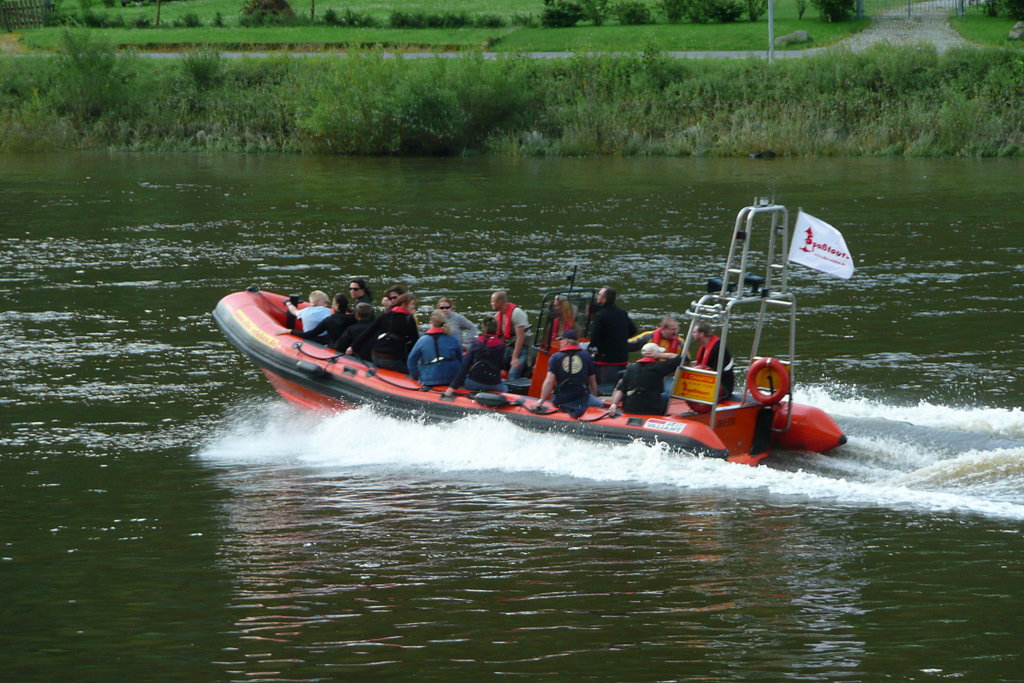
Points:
(885, 102)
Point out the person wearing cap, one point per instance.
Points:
(641, 388)
(571, 380)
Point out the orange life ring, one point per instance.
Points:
(771, 373)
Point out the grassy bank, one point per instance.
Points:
(903, 102)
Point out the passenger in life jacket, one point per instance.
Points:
(514, 330)
(641, 389)
(563, 317)
(572, 375)
(391, 296)
(666, 335)
(481, 366)
(393, 335)
(707, 359)
(436, 357)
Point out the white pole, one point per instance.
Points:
(771, 31)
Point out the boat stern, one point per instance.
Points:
(811, 429)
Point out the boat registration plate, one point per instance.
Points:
(660, 425)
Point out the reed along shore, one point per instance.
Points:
(891, 102)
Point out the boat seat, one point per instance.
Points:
(518, 386)
(492, 400)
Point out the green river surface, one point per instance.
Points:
(164, 515)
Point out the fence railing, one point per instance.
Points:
(913, 8)
(19, 14)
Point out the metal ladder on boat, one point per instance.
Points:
(740, 286)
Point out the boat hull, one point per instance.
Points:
(314, 377)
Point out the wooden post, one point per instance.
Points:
(157, 13)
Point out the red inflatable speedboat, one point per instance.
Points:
(743, 428)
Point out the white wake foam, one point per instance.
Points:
(843, 401)
(860, 474)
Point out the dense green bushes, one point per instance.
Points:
(1010, 8)
(561, 13)
(1014, 8)
(266, 12)
(565, 13)
(884, 102)
(714, 11)
(263, 13)
(835, 10)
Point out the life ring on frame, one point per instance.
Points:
(770, 373)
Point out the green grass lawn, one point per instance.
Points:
(679, 37)
(514, 37)
(283, 37)
(985, 30)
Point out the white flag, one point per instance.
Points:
(818, 245)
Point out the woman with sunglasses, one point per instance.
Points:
(458, 324)
(391, 296)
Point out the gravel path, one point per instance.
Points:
(928, 23)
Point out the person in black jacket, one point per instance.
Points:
(330, 329)
(609, 337)
(641, 389)
(392, 336)
(360, 291)
(364, 318)
(481, 365)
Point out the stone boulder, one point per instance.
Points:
(1017, 32)
(792, 38)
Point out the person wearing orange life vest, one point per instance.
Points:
(666, 335)
(513, 329)
(707, 359)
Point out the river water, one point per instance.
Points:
(166, 516)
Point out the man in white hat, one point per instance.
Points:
(642, 385)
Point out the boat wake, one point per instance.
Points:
(919, 457)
